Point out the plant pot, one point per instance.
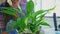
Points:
(29, 32)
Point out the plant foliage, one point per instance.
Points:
(31, 20)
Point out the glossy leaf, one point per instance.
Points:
(21, 23)
(51, 9)
(30, 7)
(8, 12)
(33, 27)
(14, 10)
(43, 23)
(37, 13)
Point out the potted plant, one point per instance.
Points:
(30, 21)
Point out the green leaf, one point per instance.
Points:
(14, 10)
(43, 23)
(37, 13)
(41, 17)
(33, 27)
(22, 24)
(42, 11)
(51, 9)
(26, 20)
(30, 7)
(15, 25)
(9, 12)
(18, 20)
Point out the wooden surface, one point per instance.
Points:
(4, 32)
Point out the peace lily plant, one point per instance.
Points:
(32, 20)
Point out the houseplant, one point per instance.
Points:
(30, 21)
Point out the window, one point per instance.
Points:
(46, 4)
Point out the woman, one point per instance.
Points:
(6, 16)
(14, 4)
